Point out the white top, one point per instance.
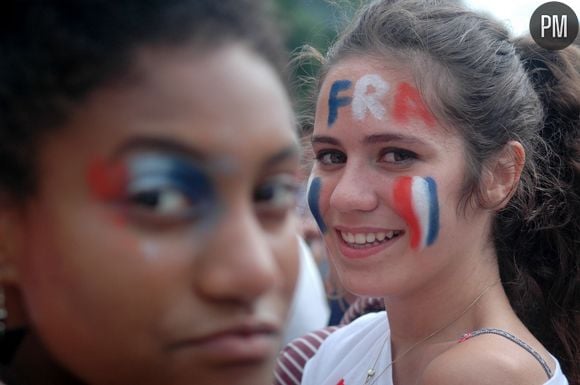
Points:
(346, 355)
(309, 309)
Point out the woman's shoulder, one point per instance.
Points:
(490, 360)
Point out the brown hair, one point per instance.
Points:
(492, 90)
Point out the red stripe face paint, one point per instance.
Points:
(409, 105)
(404, 206)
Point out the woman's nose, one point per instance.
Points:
(241, 265)
(354, 191)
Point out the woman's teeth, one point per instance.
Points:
(361, 239)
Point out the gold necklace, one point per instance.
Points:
(371, 379)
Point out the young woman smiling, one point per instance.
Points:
(446, 182)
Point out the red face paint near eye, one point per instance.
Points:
(106, 181)
(408, 104)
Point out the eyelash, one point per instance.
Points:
(323, 154)
(277, 195)
(338, 157)
(408, 156)
(168, 203)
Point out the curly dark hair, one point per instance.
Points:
(54, 53)
(539, 247)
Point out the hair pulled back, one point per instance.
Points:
(493, 90)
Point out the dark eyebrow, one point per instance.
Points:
(371, 139)
(325, 139)
(169, 145)
(288, 153)
(381, 138)
(157, 144)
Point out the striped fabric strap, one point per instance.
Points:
(362, 306)
(514, 339)
(292, 359)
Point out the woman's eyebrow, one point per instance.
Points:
(371, 139)
(157, 144)
(385, 138)
(288, 153)
(325, 139)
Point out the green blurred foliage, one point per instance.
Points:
(309, 22)
(312, 23)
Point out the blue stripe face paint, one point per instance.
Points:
(170, 185)
(313, 202)
(433, 212)
(335, 102)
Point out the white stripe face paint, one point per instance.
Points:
(371, 101)
(416, 201)
(421, 204)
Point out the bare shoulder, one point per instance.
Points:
(485, 360)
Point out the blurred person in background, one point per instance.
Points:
(148, 162)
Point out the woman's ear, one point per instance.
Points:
(502, 175)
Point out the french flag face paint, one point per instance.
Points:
(162, 184)
(415, 199)
(314, 186)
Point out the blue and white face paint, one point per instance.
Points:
(170, 185)
(164, 184)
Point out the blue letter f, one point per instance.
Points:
(334, 102)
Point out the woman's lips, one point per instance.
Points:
(235, 345)
(359, 243)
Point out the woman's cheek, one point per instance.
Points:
(315, 187)
(415, 200)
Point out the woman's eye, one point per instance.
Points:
(398, 156)
(167, 189)
(329, 157)
(163, 201)
(278, 193)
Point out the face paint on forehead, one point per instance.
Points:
(313, 194)
(415, 199)
(334, 101)
(368, 96)
(409, 104)
(364, 100)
